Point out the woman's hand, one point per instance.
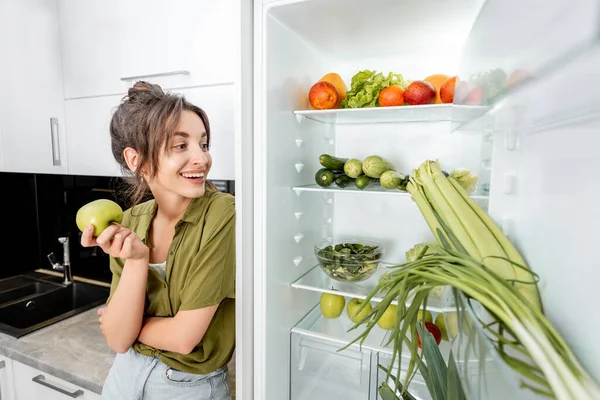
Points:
(116, 241)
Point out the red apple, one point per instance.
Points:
(435, 331)
(419, 92)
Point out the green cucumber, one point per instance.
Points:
(343, 181)
(353, 168)
(404, 182)
(374, 166)
(362, 182)
(324, 177)
(331, 162)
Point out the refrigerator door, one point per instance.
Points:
(513, 43)
(532, 69)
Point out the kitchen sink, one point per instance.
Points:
(29, 288)
(30, 302)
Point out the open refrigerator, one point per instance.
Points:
(532, 139)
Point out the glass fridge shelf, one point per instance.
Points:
(317, 281)
(422, 113)
(371, 190)
(337, 330)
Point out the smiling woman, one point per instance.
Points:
(175, 333)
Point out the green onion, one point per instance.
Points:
(476, 258)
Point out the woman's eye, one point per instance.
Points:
(204, 146)
(180, 146)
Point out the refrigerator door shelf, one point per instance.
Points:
(399, 114)
(483, 372)
(507, 61)
(317, 281)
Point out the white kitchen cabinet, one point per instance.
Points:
(31, 100)
(108, 44)
(218, 103)
(7, 390)
(1, 147)
(89, 138)
(31, 384)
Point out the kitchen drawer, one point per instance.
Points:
(417, 386)
(7, 390)
(320, 372)
(31, 384)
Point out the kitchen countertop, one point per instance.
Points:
(73, 349)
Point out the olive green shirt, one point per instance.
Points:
(200, 272)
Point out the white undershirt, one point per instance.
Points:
(160, 268)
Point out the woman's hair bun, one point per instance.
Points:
(143, 92)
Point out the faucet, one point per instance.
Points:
(66, 265)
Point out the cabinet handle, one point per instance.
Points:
(131, 78)
(41, 379)
(55, 143)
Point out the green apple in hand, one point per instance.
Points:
(332, 305)
(352, 308)
(100, 213)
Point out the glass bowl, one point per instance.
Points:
(352, 260)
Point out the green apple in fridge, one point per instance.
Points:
(100, 213)
(332, 305)
(451, 323)
(440, 322)
(428, 316)
(352, 308)
(389, 317)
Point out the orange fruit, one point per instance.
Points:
(391, 96)
(517, 76)
(437, 80)
(336, 80)
(447, 90)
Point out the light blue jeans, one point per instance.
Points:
(137, 377)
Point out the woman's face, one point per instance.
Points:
(183, 169)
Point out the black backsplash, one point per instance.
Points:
(58, 199)
(20, 248)
(42, 207)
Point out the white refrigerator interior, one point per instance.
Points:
(534, 148)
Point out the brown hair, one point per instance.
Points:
(145, 120)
